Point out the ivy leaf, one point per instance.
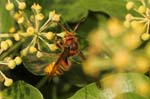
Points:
(36, 65)
(88, 92)
(6, 20)
(129, 95)
(126, 82)
(21, 90)
(113, 8)
(114, 86)
(71, 10)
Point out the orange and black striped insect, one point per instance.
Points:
(69, 47)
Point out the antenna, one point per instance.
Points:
(76, 27)
(59, 23)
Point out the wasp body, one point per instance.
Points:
(70, 47)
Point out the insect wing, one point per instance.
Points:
(36, 65)
(62, 63)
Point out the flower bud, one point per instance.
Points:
(24, 52)
(4, 45)
(53, 47)
(49, 35)
(39, 16)
(36, 7)
(62, 34)
(39, 54)
(17, 15)
(32, 49)
(51, 14)
(7, 59)
(56, 18)
(142, 9)
(126, 24)
(128, 17)
(30, 30)
(18, 60)
(9, 42)
(17, 37)
(145, 36)
(129, 5)
(11, 64)
(21, 5)
(12, 29)
(8, 82)
(20, 20)
(9, 6)
(135, 24)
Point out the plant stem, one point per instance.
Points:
(41, 82)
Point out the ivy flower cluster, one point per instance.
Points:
(34, 27)
(142, 17)
(117, 49)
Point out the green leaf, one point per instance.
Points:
(70, 10)
(129, 95)
(114, 8)
(88, 92)
(21, 90)
(126, 82)
(36, 65)
(6, 20)
(114, 86)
